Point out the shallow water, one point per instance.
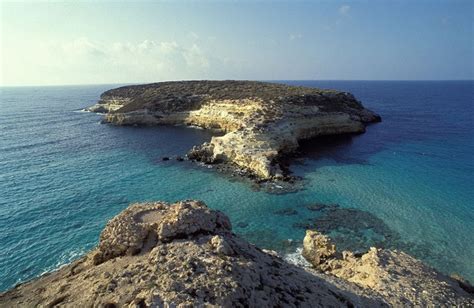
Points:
(406, 183)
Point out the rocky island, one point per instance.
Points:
(186, 255)
(262, 122)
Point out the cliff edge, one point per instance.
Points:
(185, 255)
(262, 122)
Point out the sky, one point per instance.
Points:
(55, 43)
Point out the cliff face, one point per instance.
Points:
(185, 255)
(263, 121)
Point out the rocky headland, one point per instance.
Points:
(186, 255)
(262, 122)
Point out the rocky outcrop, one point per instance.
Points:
(262, 122)
(178, 255)
(317, 248)
(185, 255)
(395, 276)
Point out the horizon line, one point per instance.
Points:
(178, 80)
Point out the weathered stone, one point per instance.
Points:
(221, 246)
(397, 277)
(185, 255)
(317, 248)
(262, 122)
(141, 224)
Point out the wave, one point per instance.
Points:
(296, 258)
(65, 259)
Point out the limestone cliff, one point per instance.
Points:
(185, 255)
(263, 122)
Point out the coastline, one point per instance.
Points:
(159, 254)
(338, 200)
(262, 123)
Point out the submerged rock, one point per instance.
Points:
(321, 206)
(350, 228)
(316, 206)
(286, 212)
(242, 224)
(263, 122)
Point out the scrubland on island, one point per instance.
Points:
(262, 122)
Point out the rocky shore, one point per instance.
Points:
(262, 122)
(186, 255)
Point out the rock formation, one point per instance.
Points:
(395, 276)
(262, 122)
(183, 254)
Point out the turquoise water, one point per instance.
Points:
(406, 183)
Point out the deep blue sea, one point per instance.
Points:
(406, 183)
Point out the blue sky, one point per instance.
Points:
(130, 42)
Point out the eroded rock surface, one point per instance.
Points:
(263, 122)
(178, 255)
(317, 248)
(185, 255)
(395, 276)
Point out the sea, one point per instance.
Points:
(406, 184)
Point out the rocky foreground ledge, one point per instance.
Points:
(262, 122)
(185, 255)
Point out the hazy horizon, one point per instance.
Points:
(276, 80)
(81, 43)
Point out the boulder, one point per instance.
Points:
(317, 248)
